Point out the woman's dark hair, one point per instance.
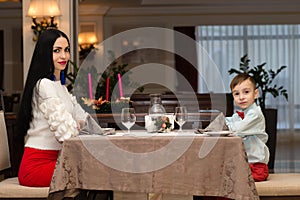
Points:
(41, 66)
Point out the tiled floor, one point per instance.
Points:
(287, 157)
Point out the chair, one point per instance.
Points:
(279, 186)
(2, 99)
(9, 186)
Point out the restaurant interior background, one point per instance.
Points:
(109, 17)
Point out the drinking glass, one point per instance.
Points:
(128, 118)
(180, 116)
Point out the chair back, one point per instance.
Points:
(4, 148)
(2, 100)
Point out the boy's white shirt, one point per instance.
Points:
(252, 130)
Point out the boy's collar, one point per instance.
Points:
(250, 107)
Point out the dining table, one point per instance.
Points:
(175, 163)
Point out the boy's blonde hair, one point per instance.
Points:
(240, 78)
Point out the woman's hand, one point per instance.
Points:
(80, 124)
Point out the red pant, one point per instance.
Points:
(37, 167)
(260, 171)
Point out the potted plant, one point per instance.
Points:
(101, 104)
(264, 79)
(265, 83)
(71, 76)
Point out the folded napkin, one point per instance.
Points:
(91, 127)
(218, 124)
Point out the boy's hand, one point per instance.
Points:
(225, 127)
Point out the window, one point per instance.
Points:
(277, 45)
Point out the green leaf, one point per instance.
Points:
(264, 78)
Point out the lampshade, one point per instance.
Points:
(42, 8)
(87, 38)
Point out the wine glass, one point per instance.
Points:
(128, 118)
(180, 116)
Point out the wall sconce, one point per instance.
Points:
(86, 41)
(45, 9)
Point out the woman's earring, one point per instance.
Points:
(62, 78)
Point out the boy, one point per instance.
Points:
(250, 125)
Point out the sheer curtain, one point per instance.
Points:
(277, 45)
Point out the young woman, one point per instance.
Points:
(48, 114)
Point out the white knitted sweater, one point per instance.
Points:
(55, 115)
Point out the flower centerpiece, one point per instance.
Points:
(159, 124)
(163, 124)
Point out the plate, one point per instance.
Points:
(218, 133)
(109, 131)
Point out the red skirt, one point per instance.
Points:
(37, 167)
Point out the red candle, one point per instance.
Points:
(120, 86)
(107, 89)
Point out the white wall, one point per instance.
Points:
(242, 12)
(114, 20)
